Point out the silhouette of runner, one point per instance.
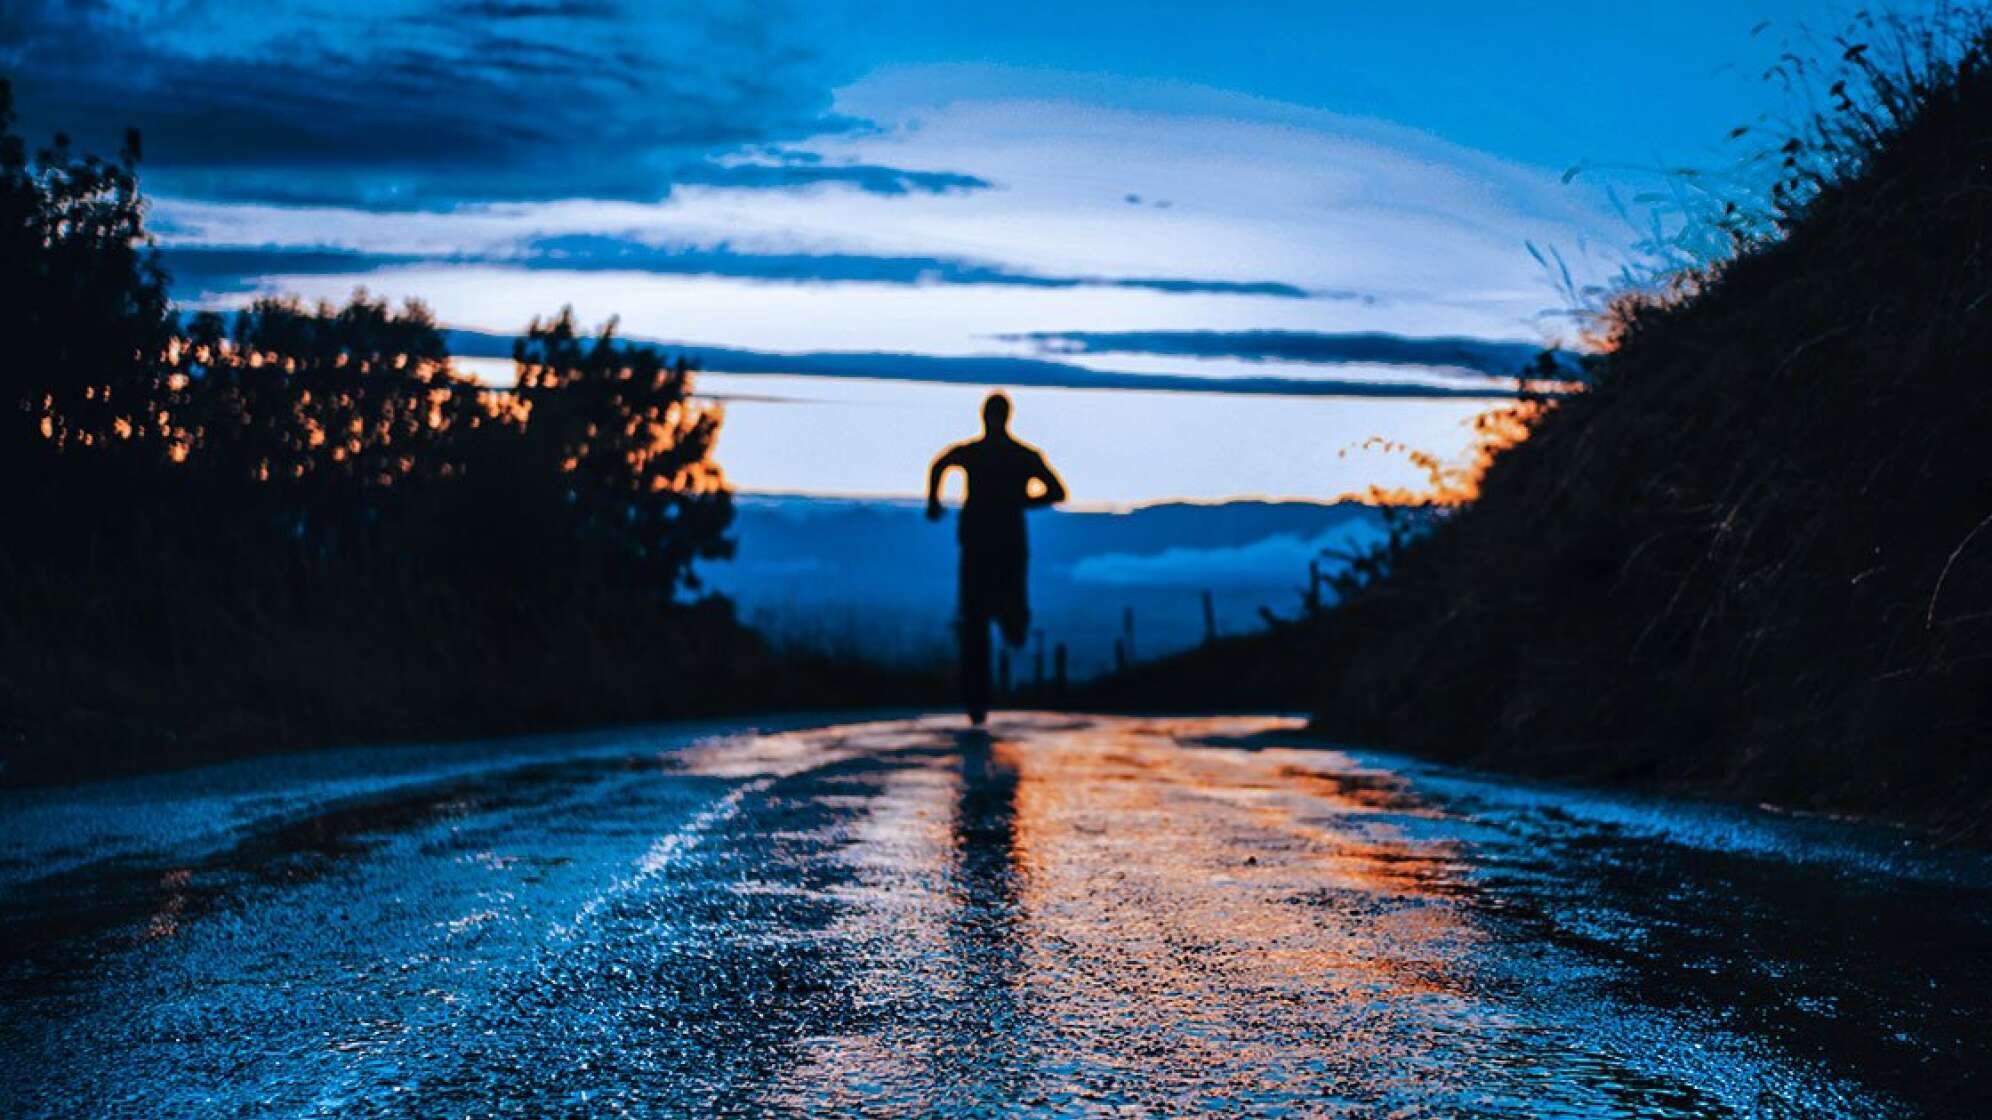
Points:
(994, 552)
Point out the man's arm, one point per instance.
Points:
(1054, 489)
(949, 458)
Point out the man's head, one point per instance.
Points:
(996, 412)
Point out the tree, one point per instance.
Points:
(619, 426)
(85, 318)
(329, 403)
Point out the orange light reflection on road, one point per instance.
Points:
(1321, 908)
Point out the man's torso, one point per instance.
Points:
(999, 473)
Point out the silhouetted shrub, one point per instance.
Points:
(618, 423)
(299, 525)
(85, 318)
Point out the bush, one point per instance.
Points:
(299, 525)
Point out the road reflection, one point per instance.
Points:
(1247, 919)
(1062, 916)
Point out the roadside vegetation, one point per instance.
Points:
(1755, 557)
(299, 525)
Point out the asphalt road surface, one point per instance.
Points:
(1067, 915)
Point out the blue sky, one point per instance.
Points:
(1232, 196)
(1550, 82)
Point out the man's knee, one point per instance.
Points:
(1016, 626)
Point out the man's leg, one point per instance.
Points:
(1013, 603)
(1015, 622)
(975, 665)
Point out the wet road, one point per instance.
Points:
(1065, 916)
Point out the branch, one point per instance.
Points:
(1930, 616)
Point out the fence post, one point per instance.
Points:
(1210, 618)
(1037, 664)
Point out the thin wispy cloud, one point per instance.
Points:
(1495, 358)
(554, 9)
(200, 270)
(998, 370)
(868, 177)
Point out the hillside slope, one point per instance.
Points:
(1757, 558)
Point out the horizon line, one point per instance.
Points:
(917, 500)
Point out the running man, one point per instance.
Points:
(994, 553)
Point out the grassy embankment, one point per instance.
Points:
(1755, 560)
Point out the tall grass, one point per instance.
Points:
(1753, 557)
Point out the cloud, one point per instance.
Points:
(1494, 358)
(213, 269)
(228, 269)
(404, 105)
(557, 9)
(590, 252)
(1269, 560)
(871, 178)
(1006, 371)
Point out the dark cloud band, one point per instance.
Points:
(1495, 358)
(455, 103)
(1015, 372)
(199, 270)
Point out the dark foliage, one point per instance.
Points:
(297, 525)
(85, 316)
(616, 421)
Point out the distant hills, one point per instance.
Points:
(875, 574)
